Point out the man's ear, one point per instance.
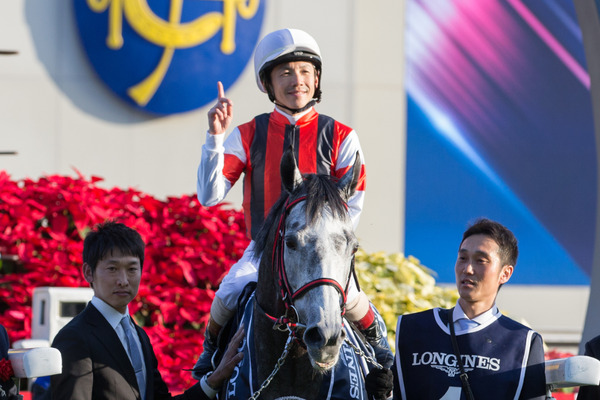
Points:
(506, 273)
(88, 274)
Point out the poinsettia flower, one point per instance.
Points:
(189, 248)
(6, 371)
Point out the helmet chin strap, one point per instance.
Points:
(297, 110)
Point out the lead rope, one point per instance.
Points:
(362, 354)
(286, 350)
(278, 365)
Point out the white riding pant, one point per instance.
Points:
(246, 270)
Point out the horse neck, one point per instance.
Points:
(270, 342)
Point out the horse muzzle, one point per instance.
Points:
(323, 348)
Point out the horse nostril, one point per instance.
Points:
(333, 341)
(313, 337)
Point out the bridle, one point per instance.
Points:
(288, 321)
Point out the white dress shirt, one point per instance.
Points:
(462, 323)
(113, 317)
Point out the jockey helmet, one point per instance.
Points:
(281, 46)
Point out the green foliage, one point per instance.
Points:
(399, 285)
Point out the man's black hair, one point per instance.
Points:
(108, 236)
(506, 240)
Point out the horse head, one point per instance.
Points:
(311, 261)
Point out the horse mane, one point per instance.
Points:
(320, 190)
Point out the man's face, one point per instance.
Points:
(294, 83)
(479, 271)
(116, 279)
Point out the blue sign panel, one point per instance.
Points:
(500, 125)
(166, 56)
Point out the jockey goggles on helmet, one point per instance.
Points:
(285, 45)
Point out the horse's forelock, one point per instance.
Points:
(321, 191)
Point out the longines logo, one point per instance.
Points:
(447, 362)
(165, 56)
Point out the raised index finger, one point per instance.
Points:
(221, 90)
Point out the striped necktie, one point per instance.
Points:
(135, 356)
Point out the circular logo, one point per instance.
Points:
(165, 56)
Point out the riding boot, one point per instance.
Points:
(207, 361)
(377, 338)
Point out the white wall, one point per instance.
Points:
(58, 115)
(556, 312)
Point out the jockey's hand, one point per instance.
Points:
(230, 359)
(379, 383)
(220, 116)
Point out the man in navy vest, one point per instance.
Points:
(471, 351)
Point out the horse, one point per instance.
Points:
(296, 343)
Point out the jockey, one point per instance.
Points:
(288, 68)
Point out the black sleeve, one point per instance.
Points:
(590, 392)
(396, 392)
(76, 379)
(8, 389)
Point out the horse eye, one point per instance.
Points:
(355, 249)
(291, 243)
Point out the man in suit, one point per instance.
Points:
(8, 389)
(105, 354)
(592, 349)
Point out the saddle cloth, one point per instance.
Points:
(345, 381)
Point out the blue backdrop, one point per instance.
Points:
(500, 125)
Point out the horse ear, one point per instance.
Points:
(290, 174)
(347, 183)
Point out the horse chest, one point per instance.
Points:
(295, 377)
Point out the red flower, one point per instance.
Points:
(189, 248)
(555, 353)
(6, 371)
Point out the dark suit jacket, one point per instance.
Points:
(8, 389)
(96, 365)
(4, 344)
(592, 349)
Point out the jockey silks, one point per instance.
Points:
(321, 145)
(495, 356)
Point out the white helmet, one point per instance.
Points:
(285, 45)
